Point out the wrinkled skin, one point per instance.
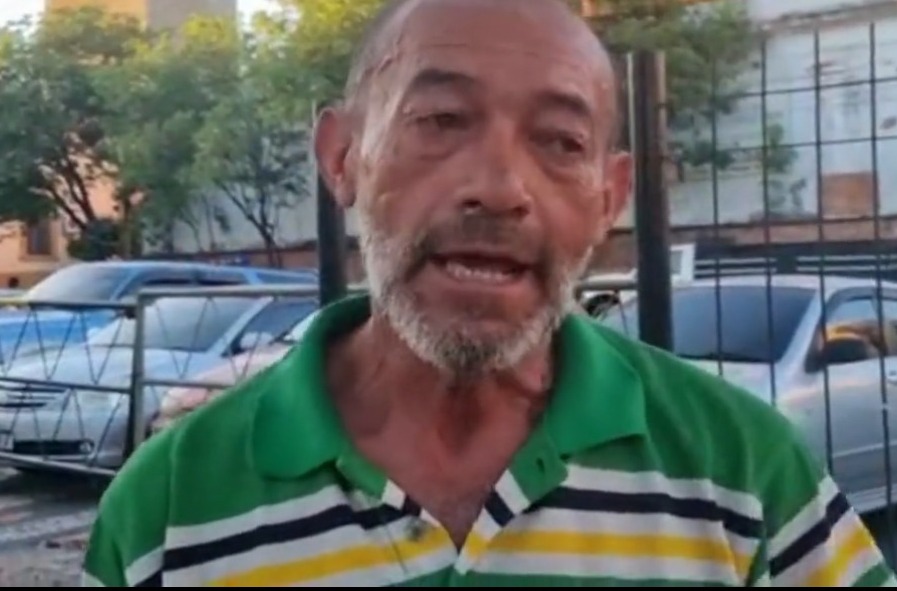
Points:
(478, 159)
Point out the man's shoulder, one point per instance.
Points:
(209, 444)
(679, 394)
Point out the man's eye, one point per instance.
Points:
(561, 144)
(444, 121)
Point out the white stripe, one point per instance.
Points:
(861, 564)
(326, 498)
(803, 569)
(88, 580)
(144, 567)
(335, 540)
(510, 492)
(393, 495)
(657, 482)
(619, 567)
(808, 517)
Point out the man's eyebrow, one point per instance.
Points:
(429, 78)
(566, 101)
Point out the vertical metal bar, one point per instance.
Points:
(331, 244)
(652, 226)
(767, 221)
(136, 410)
(714, 181)
(876, 224)
(820, 228)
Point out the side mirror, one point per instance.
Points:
(843, 351)
(254, 340)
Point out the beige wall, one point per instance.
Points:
(137, 8)
(17, 261)
(156, 13)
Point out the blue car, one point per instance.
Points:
(36, 324)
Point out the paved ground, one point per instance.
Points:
(44, 523)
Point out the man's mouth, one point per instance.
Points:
(481, 268)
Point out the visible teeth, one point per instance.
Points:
(465, 273)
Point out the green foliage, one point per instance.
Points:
(162, 97)
(252, 148)
(51, 151)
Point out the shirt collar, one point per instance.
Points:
(597, 396)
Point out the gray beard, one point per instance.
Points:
(453, 347)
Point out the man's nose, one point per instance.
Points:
(498, 175)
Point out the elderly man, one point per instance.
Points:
(462, 427)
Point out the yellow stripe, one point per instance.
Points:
(832, 573)
(560, 542)
(351, 559)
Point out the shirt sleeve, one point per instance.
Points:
(125, 548)
(814, 537)
(103, 561)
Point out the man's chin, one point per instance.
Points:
(467, 341)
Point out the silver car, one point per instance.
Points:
(73, 405)
(815, 347)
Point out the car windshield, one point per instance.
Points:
(85, 283)
(744, 335)
(179, 324)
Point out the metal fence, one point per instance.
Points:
(792, 206)
(47, 371)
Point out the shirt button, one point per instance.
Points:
(417, 529)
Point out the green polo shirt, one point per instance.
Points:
(642, 471)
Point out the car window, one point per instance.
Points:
(180, 324)
(858, 320)
(280, 316)
(80, 282)
(739, 333)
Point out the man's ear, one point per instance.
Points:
(332, 144)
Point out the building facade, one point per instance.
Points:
(155, 13)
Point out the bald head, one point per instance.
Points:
(385, 31)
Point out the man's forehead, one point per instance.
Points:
(540, 30)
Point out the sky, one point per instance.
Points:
(13, 10)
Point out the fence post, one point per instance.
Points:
(331, 242)
(136, 430)
(647, 127)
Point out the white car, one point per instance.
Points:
(73, 406)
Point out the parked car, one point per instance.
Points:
(182, 400)
(74, 408)
(596, 301)
(36, 324)
(814, 347)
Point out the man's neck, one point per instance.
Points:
(381, 386)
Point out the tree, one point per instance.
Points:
(52, 151)
(162, 97)
(253, 147)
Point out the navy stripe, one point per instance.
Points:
(297, 529)
(498, 509)
(813, 538)
(647, 503)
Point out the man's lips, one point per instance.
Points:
(487, 267)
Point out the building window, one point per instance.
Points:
(39, 238)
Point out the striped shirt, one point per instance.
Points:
(642, 471)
